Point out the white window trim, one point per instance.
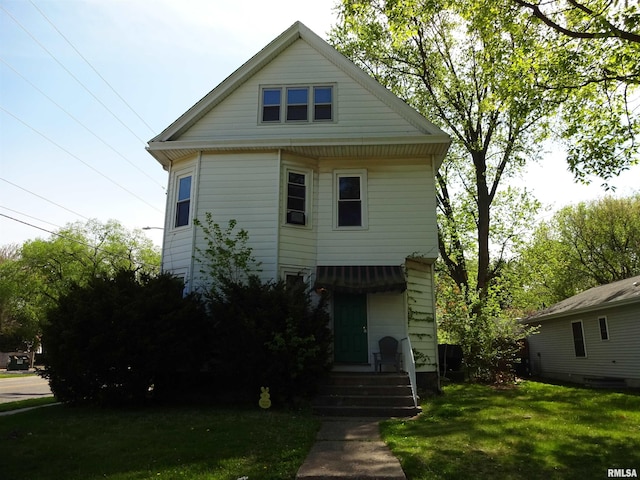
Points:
(176, 190)
(183, 274)
(303, 272)
(310, 103)
(584, 341)
(362, 173)
(308, 173)
(606, 323)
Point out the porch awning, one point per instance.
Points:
(361, 279)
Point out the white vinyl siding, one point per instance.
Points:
(552, 350)
(400, 212)
(297, 243)
(241, 186)
(177, 243)
(357, 111)
(385, 316)
(421, 313)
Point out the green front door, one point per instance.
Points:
(350, 328)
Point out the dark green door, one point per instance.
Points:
(350, 328)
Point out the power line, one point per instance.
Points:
(81, 124)
(99, 249)
(29, 216)
(43, 198)
(72, 75)
(92, 67)
(79, 159)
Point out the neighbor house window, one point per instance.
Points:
(351, 199)
(296, 198)
(578, 339)
(183, 203)
(604, 328)
(299, 103)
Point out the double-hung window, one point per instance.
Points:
(271, 99)
(350, 188)
(297, 197)
(297, 104)
(322, 103)
(183, 201)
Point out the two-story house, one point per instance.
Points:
(333, 178)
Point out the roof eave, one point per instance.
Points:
(580, 311)
(273, 49)
(229, 84)
(435, 147)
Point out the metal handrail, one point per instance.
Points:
(409, 363)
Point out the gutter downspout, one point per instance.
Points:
(194, 215)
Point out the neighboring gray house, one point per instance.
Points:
(332, 176)
(592, 337)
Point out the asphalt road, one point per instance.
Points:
(22, 388)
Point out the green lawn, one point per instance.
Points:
(20, 404)
(172, 443)
(533, 431)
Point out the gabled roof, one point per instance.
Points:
(168, 139)
(622, 292)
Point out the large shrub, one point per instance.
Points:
(490, 338)
(269, 334)
(109, 341)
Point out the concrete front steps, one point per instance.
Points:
(366, 395)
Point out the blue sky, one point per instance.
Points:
(84, 84)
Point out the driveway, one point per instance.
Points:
(22, 388)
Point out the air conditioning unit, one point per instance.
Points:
(296, 218)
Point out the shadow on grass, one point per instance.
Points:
(189, 442)
(533, 431)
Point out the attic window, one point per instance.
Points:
(271, 105)
(297, 104)
(322, 103)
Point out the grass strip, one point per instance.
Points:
(189, 442)
(531, 431)
(32, 402)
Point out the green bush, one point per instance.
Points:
(269, 334)
(108, 342)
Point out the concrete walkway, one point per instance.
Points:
(350, 448)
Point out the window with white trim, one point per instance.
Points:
(297, 104)
(350, 199)
(183, 200)
(297, 197)
(604, 328)
(578, 339)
